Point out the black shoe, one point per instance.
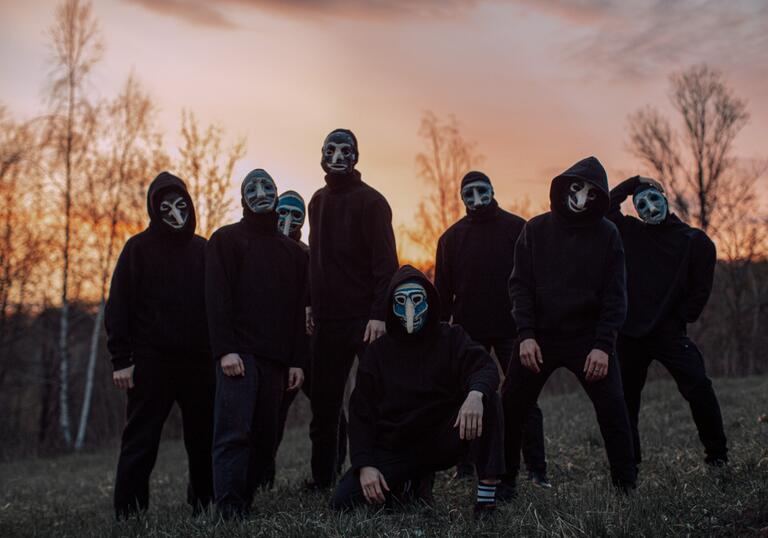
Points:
(484, 511)
(463, 471)
(506, 491)
(539, 480)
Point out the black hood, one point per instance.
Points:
(394, 327)
(591, 171)
(163, 182)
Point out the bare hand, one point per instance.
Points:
(295, 379)
(123, 379)
(374, 330)
(650, 181)
(596, 366)
(232, 365)
(530, 355)
(373, 484)
(309, 321)
(470, 419)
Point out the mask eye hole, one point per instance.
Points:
(399, 299)
(576, 186)
(282, 211)
(641, 204)
(417, 299)
(165, 206)
(181, 204)
(296, 214)
(591, 195)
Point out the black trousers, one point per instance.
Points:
(335, 344)
(682, 359)
(157, 386)
(522, 388)
(534, 454)
(438, 452)
(246, 428)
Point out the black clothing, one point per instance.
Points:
(157, 385)
(352, 249)
(410, 385)
(475, 258)
(436, 452)
(670, 269)
(246, 429)
(471, 177)
(568, 280)
(522, 388)
(684, 362)
(156, 305)
(255, 285)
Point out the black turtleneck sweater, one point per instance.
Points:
(255, 287)
(352, 249)
(475, 258)
(670, 269)
(410, 386)
(156, 305)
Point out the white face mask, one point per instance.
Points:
(173, 209)
(476, 194)
(651, 205)
(410, 305)
(580, 194)
(339, 153)
(260, 193)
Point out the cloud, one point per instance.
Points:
(192, 11)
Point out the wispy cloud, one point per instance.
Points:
(199, 13)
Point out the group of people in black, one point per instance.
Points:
(232, 328)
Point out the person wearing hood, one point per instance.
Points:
(569, 300)
(255, 289)
(475, 257)
(425, 396)
(157, 336)
(352, 259)
(670, 269)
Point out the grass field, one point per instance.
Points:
(71, 495)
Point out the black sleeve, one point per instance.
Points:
(614, 296)
(300, 339)
(476, 368)
(218, 299)
(701, 275)
(443, 279)
(381, 241)
(118, 312)
(522, 286)
(362, 418)
(617, 196)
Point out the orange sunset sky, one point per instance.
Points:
(537, 84)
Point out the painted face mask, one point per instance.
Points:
(259, 192)
(651, 205)
(290, 212)
(339, 153)
(173, 209)
(476, 194)
(410, 306)
(579, 196)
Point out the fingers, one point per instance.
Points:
(367, 335)
(462, 426)
(240, 367)
(480, 425)
(378, 494)
(130, 380)
(384, 482)
(538, 356)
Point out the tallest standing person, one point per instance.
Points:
(352, 259)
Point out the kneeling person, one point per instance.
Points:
(425, 396)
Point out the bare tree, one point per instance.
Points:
(694, 161)
(447, 158)
(76, 47)
(208, 167)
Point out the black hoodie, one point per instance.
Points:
(474, 260)
(670, 269)
(255, 290)
(410, 385)
(156, 305)
(352, 249)
(568, 284)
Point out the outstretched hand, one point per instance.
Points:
(375, 329)
(530, 355)
(596, 366)
(374, 484)
(470, 419)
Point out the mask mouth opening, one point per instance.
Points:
(573, 204)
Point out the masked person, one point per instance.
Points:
(475, 257)
(569, 300)
(158, 338)
(425, 396)
(255, 288)
(670, 268)
(352, 258)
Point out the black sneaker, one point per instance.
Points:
(506, 491)
(539, 480)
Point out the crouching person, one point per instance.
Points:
(425, 396)
(255, 290)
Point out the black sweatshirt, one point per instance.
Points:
(409, 386)
(255, 289)
(475, 258)
(352, 249)
(156, 305)
(670, 269)
(568, 284)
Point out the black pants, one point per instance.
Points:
(335, 344)
(684, 362)
(438, 452)
(157, 386)
(246, 429)
(522, 388)
(533, 426)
